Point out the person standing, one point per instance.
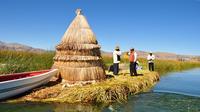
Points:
(116, 60)
(151, 59)
(133, 62)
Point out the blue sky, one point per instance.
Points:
(149, 25)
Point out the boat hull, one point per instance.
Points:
(15, 87)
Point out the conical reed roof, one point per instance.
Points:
(78, 56)
(79, 34)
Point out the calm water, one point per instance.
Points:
(176, 92)
(186, 82)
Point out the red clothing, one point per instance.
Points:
(132, 57)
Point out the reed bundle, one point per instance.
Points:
(78, 55)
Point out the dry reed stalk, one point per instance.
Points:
(78, 56)
(110, 90)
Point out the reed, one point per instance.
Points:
(161, 66)
(19, 61)
(116, 89)
(165, 66)
(78, 56)
(111, 90)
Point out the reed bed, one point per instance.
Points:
(161, 66)
(113, 89)
(165, 66)
(19, 61)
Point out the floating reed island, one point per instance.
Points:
(110, 90)
(81, 69)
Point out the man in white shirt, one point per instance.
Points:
(151, 59)
(116, 60)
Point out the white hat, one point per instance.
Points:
(117, 47)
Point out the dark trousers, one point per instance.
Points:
(151, 66)
(115, 68)
(133, 68)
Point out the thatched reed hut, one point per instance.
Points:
(78, 56)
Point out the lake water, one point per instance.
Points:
(176, 92)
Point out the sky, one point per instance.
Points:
(148, 25)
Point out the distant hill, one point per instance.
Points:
(18, 47)
(159, 55)
(142, 54)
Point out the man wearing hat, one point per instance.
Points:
(116, 60)
(151, 59)
(133, 62)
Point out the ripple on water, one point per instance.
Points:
(186, 83)
(160, 102)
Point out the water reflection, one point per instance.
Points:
(50, 107)
(26, 107)
(149, 102)
(64, 107)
